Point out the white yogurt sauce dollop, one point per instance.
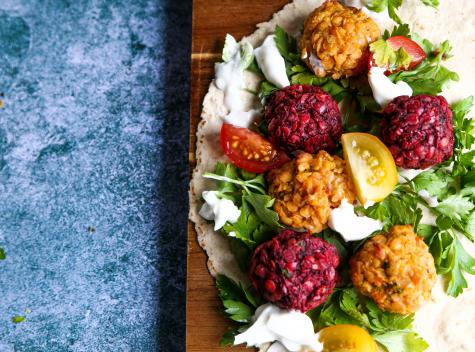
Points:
(350, 226)
(293, 330)
(272, 63)
(230, 80)
(219, 210)
(384, 90)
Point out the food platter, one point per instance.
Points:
(296, 168)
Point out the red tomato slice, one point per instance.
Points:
(250, 151)
(417, 53)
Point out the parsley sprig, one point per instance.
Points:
(258, 221)
(239, 305)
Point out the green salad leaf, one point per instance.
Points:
(392, 331)
(385, 56)
(401, 341)
(258, 222)
(239, 305)
(430, 76)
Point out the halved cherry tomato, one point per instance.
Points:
(250, 151)
(371, 165)
(346, 338)
(413, 49)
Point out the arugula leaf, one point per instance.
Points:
(402, 341)
(3, 255)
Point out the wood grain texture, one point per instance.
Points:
(212, 19)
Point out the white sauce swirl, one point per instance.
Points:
(292, 329)
(230, 80)
(272, 63)
(384, 90)
(352, 227)
(219, 210)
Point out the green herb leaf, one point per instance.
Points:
(287, 46)
(429, 77)
(435, 183)
(402, 341)
(238, 311)
(385, 56)
(227, 340)
(267, 89)
(262, 205)
(433, 3)
(456, 207)
(239, 303)
(3, 255)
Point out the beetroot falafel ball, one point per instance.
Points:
(302, 117)
(295, 270)
(418, 130)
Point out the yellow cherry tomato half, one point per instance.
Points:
(346, 338)
(371, 165)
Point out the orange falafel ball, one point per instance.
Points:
(336, 39)
(395, 269)
(307, 188)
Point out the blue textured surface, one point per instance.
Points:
(93, 174)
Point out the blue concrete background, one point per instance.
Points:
(93, 174)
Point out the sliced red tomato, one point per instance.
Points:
(250, 151)
(417, 53)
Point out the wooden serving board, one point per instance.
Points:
(212, 19)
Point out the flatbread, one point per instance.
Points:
(454, 20)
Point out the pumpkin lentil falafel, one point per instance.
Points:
(335, 40)
(395, 269)
(307, 188)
